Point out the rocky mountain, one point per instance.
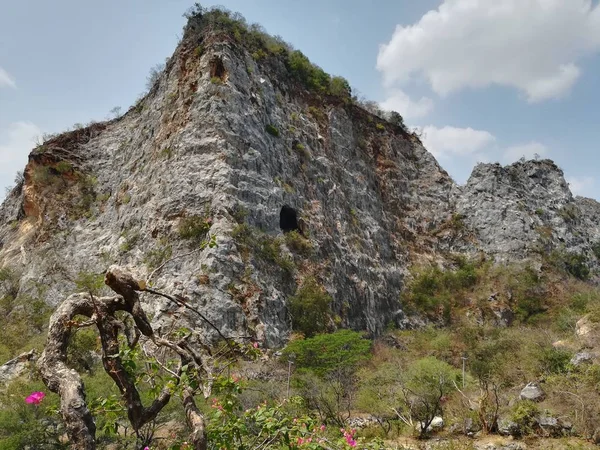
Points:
(225, 139)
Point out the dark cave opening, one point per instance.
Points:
(217, 69)
(288, 219)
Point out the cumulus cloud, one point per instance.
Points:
(6, 80)
(399, 101)
(451, 141)
(527, 151)
(581, 185)
(531, 45)
(15, 143)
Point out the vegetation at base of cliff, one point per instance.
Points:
(519, 292)
(310, 308)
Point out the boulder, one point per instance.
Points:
(582, 358)
(436, 424)
(532, 391)
(507, 427)
(16, 367)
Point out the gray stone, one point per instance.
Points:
(373, 201)
(532, 391)
(507, 427)
(16, 367)
(582, 358)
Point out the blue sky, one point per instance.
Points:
(485, 80)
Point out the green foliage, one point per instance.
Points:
(380, 127)
(131, 238)
(524, 414)
(273, 131)
(310, 308)
(397, 120)
(158, 255)
(89, 282)
(194, 228)
(250, 240)
(63, 167)
(575, 264)
(271, 426)
(216, 80)
(312, 76)
(81, 346)
(298, 243)
(23, 319)
(239, 213)
(25, 425)
(569, 213)
(434, 288)
(596, 249)
(325, 354)
(339, 87)
(430, 381)
(554, 360)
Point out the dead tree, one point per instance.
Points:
(101, 312)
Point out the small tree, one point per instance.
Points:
(396, 119)
(326, 367)
(310, 308)
(426, 385)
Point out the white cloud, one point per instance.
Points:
(15, 144)
(528, 151)
(450, 141)
(531, 45)
(581, 185)
(399, 101)
(6, 79)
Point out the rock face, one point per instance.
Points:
(526, 208)
(226, 139)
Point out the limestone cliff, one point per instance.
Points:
(226, 138)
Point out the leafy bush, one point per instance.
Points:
(325, 354)
(35, 426)
(433, 288)
(524, 414)
(273, 131)
(430, 381)
(194, 228)
(574, 264)
(554, 360)
(339, 87)
(298, 243)
(268, 248)
(312, 76)
(310, 308)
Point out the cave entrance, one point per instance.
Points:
(288, 219)
(217, 69)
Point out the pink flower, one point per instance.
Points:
(146, 448)
(351, 442)
(322, 428)
(35, 398)
(255, 345)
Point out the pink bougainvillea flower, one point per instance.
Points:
(146, 448)
(255, 345)
(35, 398)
